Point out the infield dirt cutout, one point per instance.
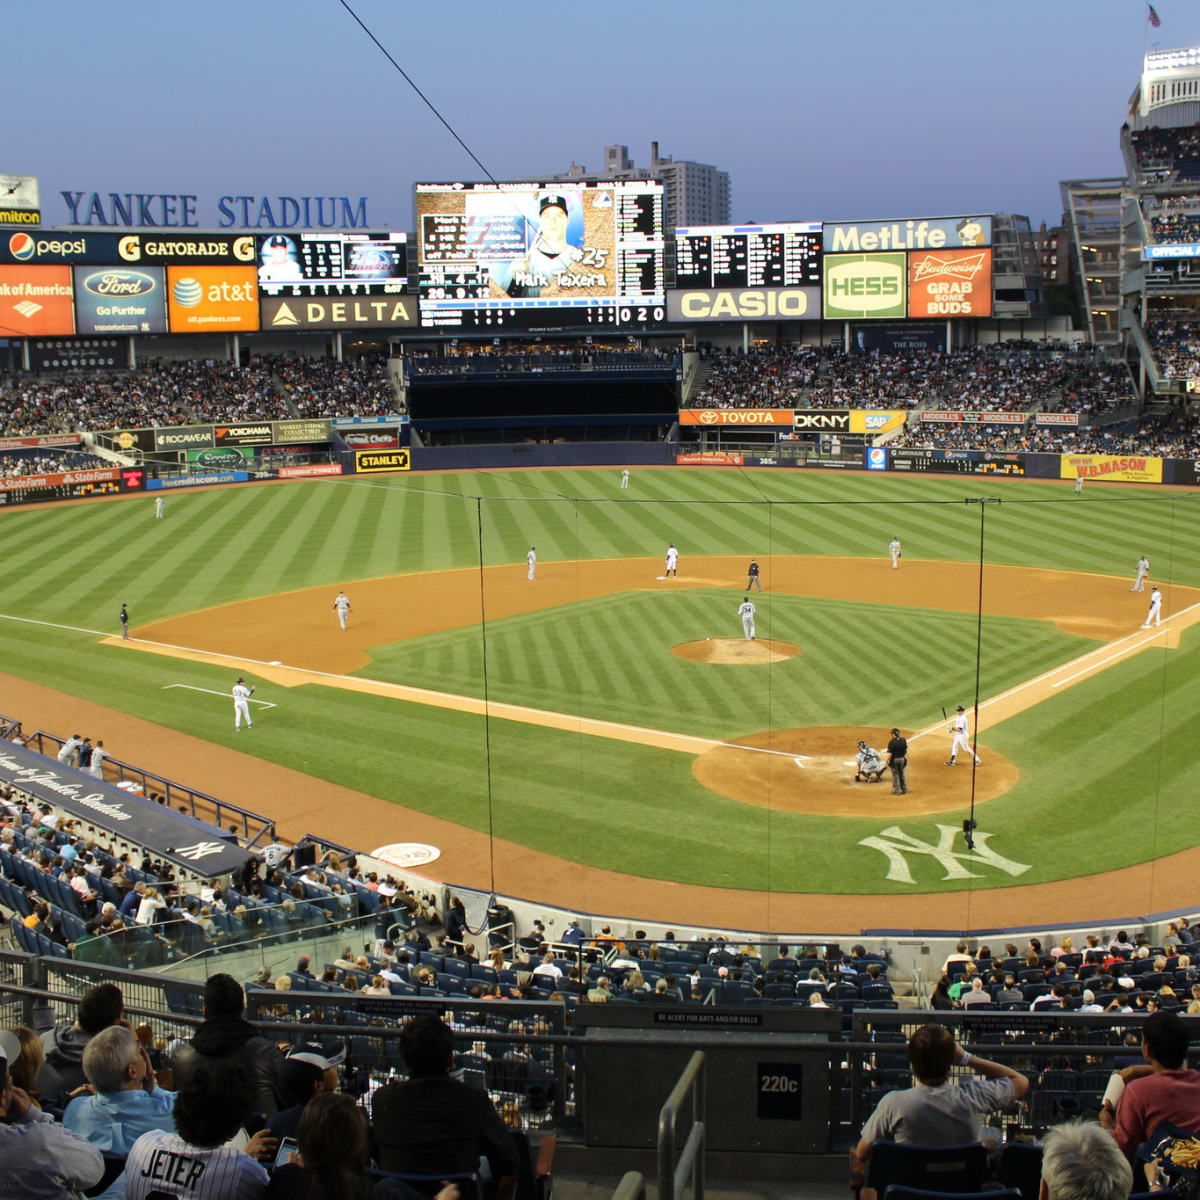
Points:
(736, 652)
(299, 630)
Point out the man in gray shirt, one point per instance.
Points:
(937, 1112)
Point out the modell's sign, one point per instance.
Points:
(735, 416)
(950, 283)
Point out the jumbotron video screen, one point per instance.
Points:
(333, 264)
(531, 255)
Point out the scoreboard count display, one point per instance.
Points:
(333, 264)
(748, 256)
(530, 255)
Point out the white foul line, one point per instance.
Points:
(192, 688)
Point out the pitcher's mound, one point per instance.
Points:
(736, 652)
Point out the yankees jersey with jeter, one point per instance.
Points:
(162, 1166)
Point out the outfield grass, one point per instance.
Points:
(1106, 762)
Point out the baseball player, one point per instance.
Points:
(1078, 484)
(1154, 616)
(672, 562)
(124, 618)
(897, 750)
(341, 606)
(1143, 567)
(959, 727)
(241, 704)
(746, 611)
(869, 763)
(752, 573)
(531, 559)
(895, 551)
(99, 754)
(158, 508)
(69, 748)
(624, 479)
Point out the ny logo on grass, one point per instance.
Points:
(895, 844)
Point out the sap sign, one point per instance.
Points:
(865, 285)
(744, 304)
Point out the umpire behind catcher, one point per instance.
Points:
(897, 750)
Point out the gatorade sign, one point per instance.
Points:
(859, 286)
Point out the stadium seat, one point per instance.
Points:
(955, 1169)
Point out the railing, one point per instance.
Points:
(673, 1177)
(631, 1187)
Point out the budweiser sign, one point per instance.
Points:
(935, 266)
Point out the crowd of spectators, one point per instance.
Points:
(1009, 377)
(1165, 153)
(1175, 341)
(44, 462)
(324, 387)
(1173, 218)
(532, 358)
(185, 392)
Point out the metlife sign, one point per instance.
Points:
(913, 233)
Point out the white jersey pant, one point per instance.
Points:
(963, 743)
(748, 627)
(241, 710)
(532, 569)
(895, 561)
(1154, 616)
(1139, 584)
(341, 612)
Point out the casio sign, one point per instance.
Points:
(746, 304)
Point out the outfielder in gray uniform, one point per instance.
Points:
(1143, 568)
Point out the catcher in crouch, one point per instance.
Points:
(870, 764)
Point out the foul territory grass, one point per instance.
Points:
(1104, 762)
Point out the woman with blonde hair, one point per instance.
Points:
(1066, 946)
(25, 1070)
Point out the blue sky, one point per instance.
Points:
(819, 111)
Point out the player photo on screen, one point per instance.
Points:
(551, 242)
(278, 261)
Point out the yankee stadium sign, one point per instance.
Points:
(169, 209)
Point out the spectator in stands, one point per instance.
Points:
(1009, 993)
(940, 998)
(977, 995)
(433, 1124)
(195, 1161)
(224, 1035)
(38, 1157)
(64, 1045)
(1160, 1090)
(936, 1112)
(1080, 1162)
(960, 955)
(128, 1102)
(310, 1069)
(24, 1069)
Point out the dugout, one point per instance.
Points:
(767, 1074)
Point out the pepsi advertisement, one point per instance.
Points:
(120, 300)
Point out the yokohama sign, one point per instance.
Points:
(735, 416)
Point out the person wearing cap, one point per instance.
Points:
(550, 256)
(897, 752)
(128, 1102)
(241, 704)
(960, 729)
(224, 1035)
(310, 1069)
(432, 1124)
(39, 1159)
(279, 264)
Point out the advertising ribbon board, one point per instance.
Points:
(735, 416)
(289, 432)
(950, 283)
(223, 458)
(183, 437)
(710, 458)
(374, 462)
(744, 304)
(312, 469)
(1129, 468)
(251, 433)
(36, 300)
(863, 420)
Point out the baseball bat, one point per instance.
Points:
(944, 717)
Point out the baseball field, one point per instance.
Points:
(603, 737)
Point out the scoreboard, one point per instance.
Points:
(534, 255)
(959, 462)
(333, 264)
(748, 256)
